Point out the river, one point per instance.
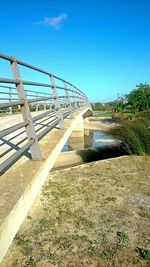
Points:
(92, 139)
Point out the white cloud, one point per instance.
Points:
(54, 22)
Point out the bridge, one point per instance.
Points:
(39, 115)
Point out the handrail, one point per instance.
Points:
(10, 104)
(5, 80)
(43, 95)
(44, 114)
(12, 159)
(13, 129)
(11, 59)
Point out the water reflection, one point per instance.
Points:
(91, 138)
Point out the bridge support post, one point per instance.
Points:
(88, 138)
(57, 102)
(76, 139)
(26, 114)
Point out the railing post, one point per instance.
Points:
(78, 100)
(57, 102)
(44, 105)
(10, 99)
(30, 130)
(87, 102)
(37, 102)
(75, 98)
(68, 98)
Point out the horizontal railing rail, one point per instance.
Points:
(52, 96)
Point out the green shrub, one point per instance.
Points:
(134, 136)
(120, 116)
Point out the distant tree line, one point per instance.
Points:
(137, 100)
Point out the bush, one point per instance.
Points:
(122, 116)
(134, 136)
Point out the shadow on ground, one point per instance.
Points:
(94, 154)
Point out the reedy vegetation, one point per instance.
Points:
(134, 135)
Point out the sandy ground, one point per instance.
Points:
(101, 123)
(95, 215)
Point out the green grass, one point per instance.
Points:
(4, 114)
(92, 250)
(102, 114)
(119, 244)
(144, 253)
(24, 243)
(134, 136)
(110, 199)
(124, 115)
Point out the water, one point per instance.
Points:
(101, 139)
(92, 139)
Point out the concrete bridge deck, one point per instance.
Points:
(20, 184)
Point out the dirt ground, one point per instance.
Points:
(95, 215)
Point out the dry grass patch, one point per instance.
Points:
(92, 215)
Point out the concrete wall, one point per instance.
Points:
(76, 139)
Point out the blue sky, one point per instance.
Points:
(101, 46)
